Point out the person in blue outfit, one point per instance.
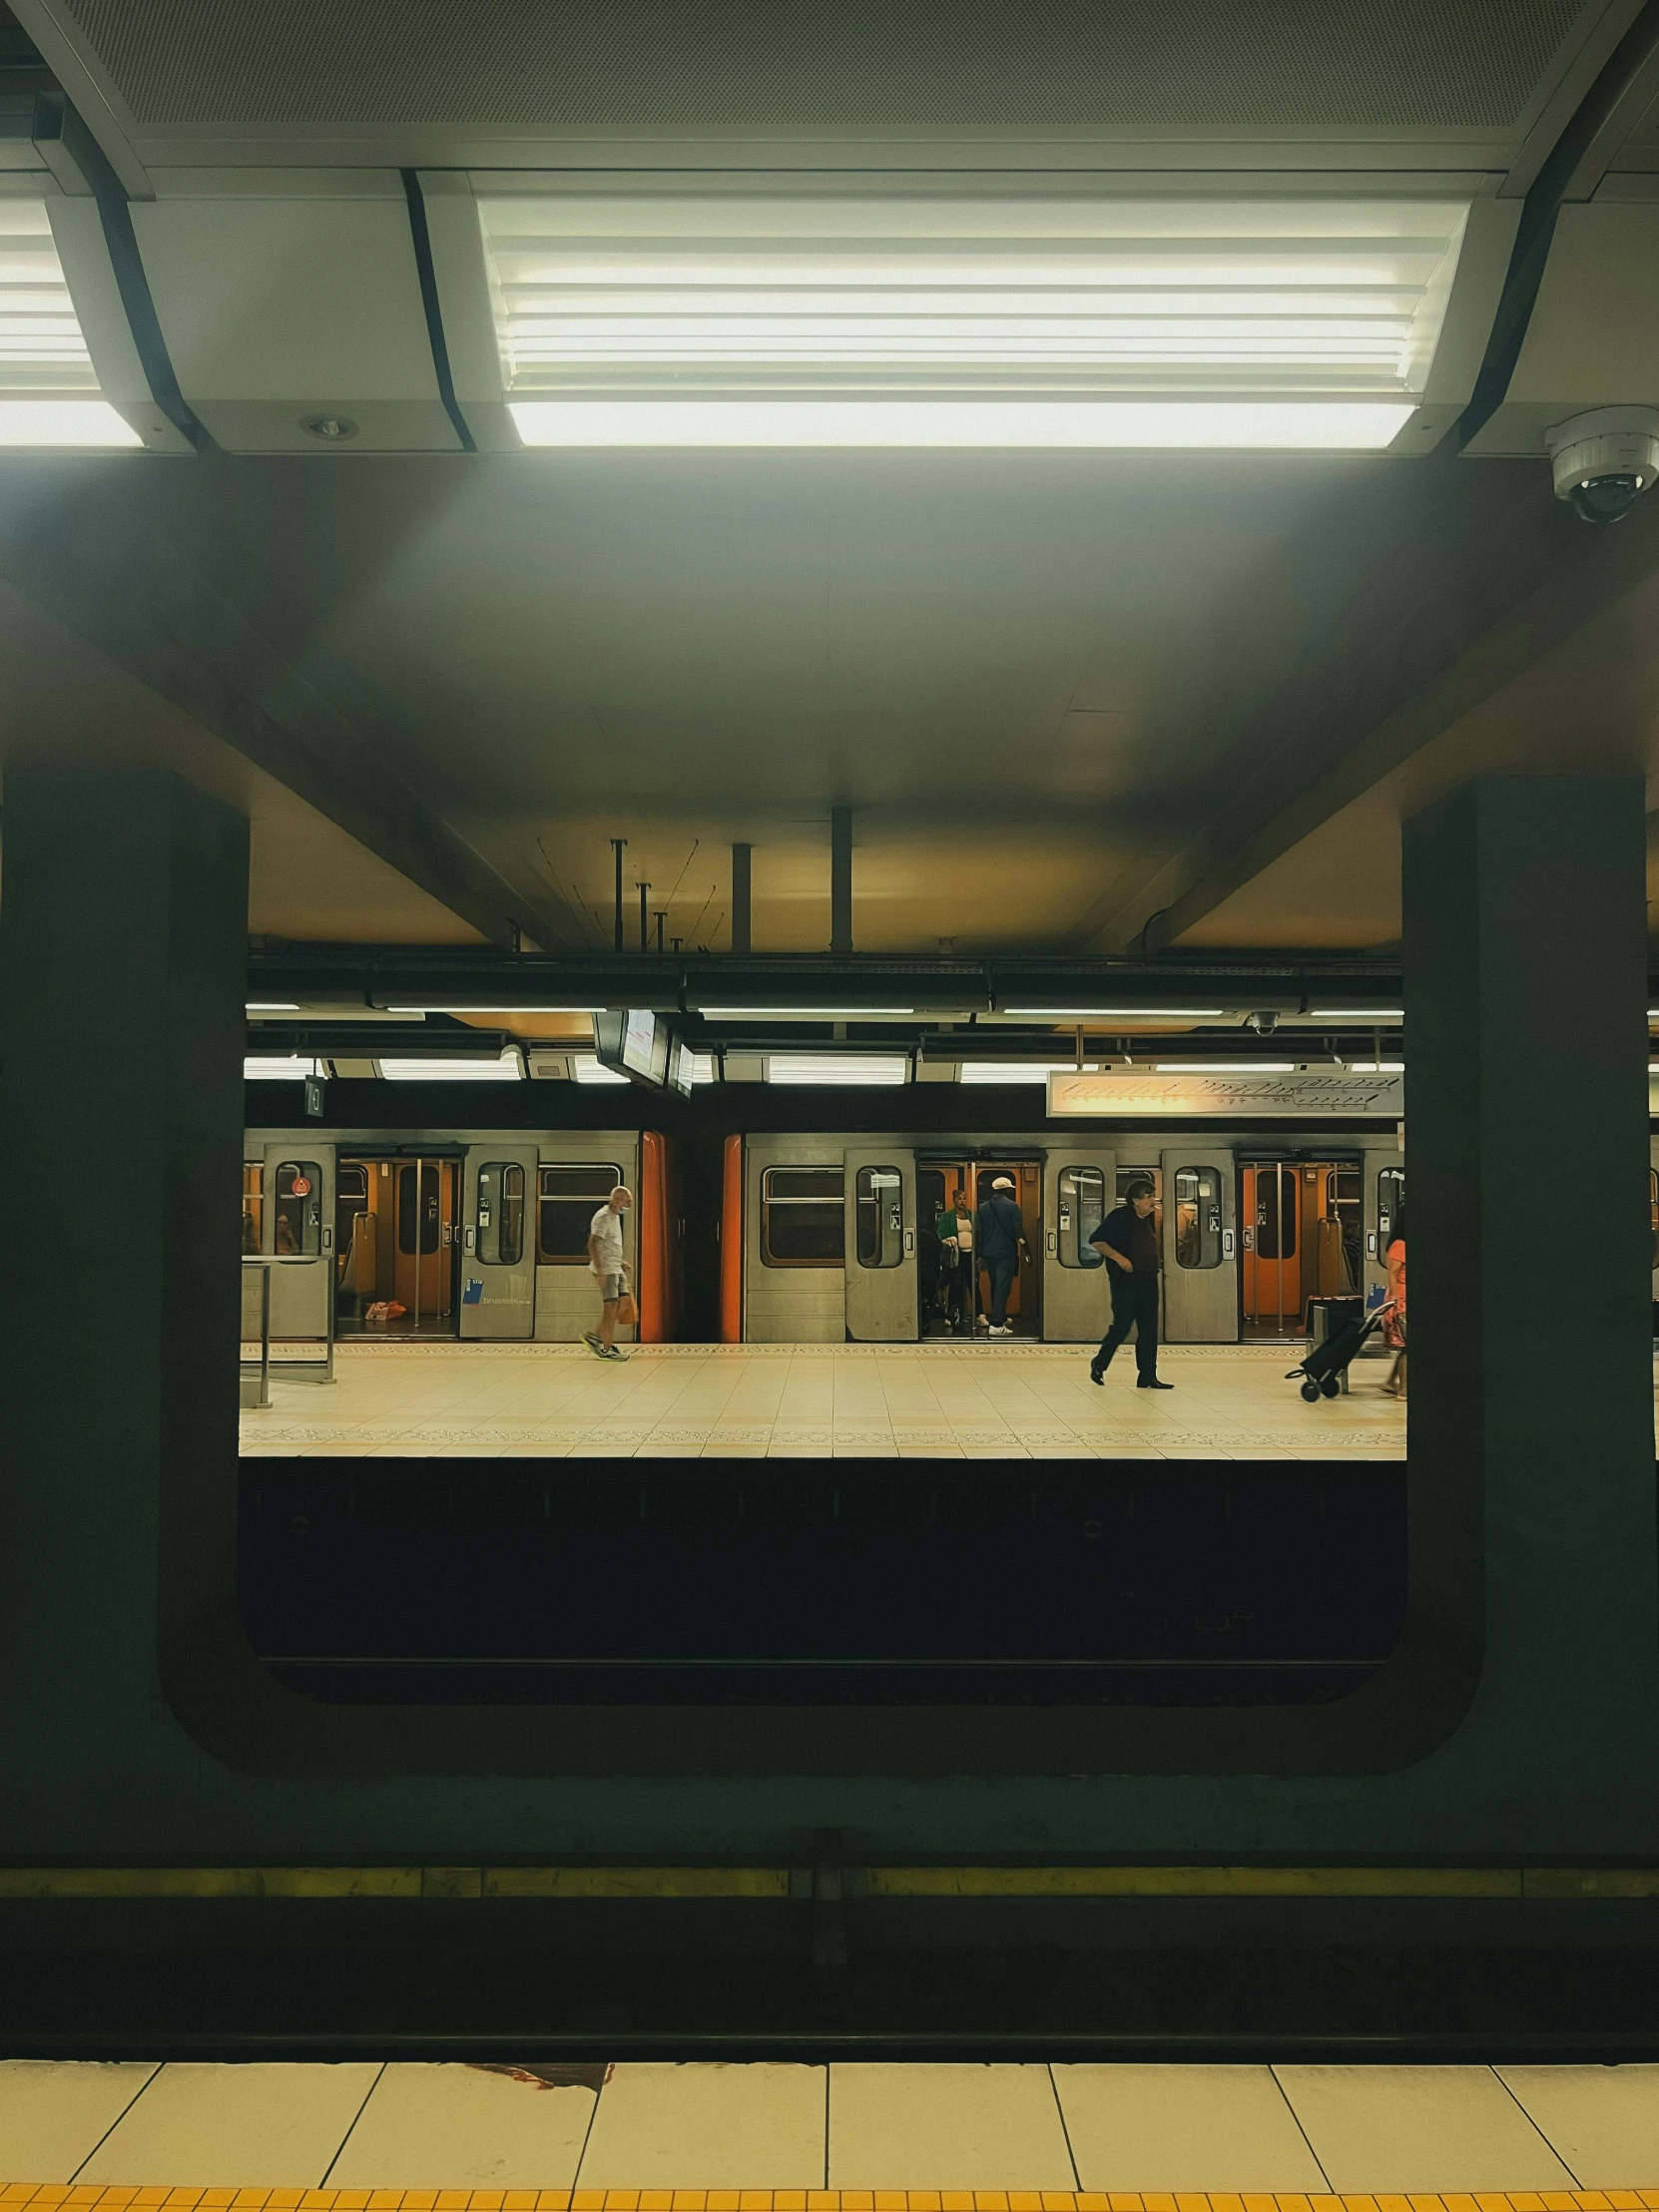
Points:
(1000, 1233)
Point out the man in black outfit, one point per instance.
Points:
(1128, 1242)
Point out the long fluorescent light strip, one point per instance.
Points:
(1116, 1013)
(586, 1069)
(1228, 1067)
(1376, 1067)
(272, 1006)
(485, 1006)
(799, 1013)
(1158, 426)
(278, 1071)
(808, 1068)
(1018, 1071)
(504, 1070)
(932, 302)
(1357, 1013)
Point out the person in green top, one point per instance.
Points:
(954, 1229)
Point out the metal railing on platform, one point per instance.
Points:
(256, 1373)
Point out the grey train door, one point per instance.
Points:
(879, 1197)
(1200, 1272)
(1079, 1187)
(1384, 1200)
(299, 1230)
(498, 1245)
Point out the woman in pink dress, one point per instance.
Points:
(1394, 1314)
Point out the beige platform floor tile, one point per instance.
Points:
(459, 2127)
(1602, 2120)
(1405, 2128)
(946, 2127)
(52, 2116)
(1182, 2127)
(236, 2127)
(708, 2127)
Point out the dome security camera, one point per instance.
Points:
(1603, 461)
(1263, 1024)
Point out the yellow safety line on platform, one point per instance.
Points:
(450, 1883)
(47, 2197)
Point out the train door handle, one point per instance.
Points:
(1371, 1243)
(1053, 1240)
(910, 1240)
(470, 1239)
(328, 1240)
(1227, 1244)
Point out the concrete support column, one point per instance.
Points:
(123, 959)
(1531, 1402)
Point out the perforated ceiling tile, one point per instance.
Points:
(734, 63)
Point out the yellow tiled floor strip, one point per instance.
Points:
(451, 1882)
(47, 2197)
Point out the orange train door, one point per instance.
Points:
(423, 1271)
(1271, 1240)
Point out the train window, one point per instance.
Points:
(1391, 1205)
(501, 1214)
(298, 1208)
(878, 1210)
(1197, 1217)
(1082, 1197)
(252, 1206)
(801, 1218)
(1276, 1199)
(569, 1198)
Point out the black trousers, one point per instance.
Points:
(1134, 1306)
(1001, 1272)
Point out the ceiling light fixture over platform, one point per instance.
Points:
(937, 318)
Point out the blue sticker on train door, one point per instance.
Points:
(473, 1292)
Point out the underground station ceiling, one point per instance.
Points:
(1106, 450)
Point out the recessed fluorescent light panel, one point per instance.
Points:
(278, 1071)
(506, 1069)
(1376, 1067)
(1357, 1013)
(48, 387)
(1116, 1013)
(272, 1006)
(1017, 1071)
(825, 1067)
(1227, 1067)
(586, 1069)
(802, 1014)
(485, 1006)
(943, 319)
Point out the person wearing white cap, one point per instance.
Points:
(1000, 1232)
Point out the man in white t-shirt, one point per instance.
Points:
(610, 1269)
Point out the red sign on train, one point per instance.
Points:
(301, 1186)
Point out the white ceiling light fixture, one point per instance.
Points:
(1116, 1013)
(58, 393)
(937, 319)
(828, 1068)
(1376, 1067)
(272, 1006)
(1227, 1067)
(1018, 1071)
(485, 1006)
(802, 1014)
(1357, 1013)
(586, 1069)
(287, 1070)
(507, 1069)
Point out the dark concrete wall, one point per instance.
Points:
(1523, 1718)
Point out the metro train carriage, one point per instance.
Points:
(454, 1234)
(823, 1238)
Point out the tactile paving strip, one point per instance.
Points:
(48, 2197)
